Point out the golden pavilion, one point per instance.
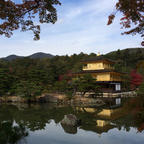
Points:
(103, 71)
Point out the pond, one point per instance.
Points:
(40, 124)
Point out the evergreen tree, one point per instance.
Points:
(28, 90)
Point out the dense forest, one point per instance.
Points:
(27, 76)
(126, 59)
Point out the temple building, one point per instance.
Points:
(103, 71)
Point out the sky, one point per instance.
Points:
(81, 27)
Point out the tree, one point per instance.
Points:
(11, 134)
(24, 14)
(86, 83)
(6, 81)
(140, 67)
(136, 79)
(132, 11)
(28, 90)
(126, 56)
(141, 90)
(126, 82)
(61, 86)
(118, 54)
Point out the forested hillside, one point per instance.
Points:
(126, 59)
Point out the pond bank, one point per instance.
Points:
(89, 99)
(111, 95)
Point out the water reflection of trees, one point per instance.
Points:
(12, 134)
(35, 117)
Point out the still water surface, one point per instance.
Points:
(40, 124)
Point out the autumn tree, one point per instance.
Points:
(136, 79)
(132, 11)
(24, 15)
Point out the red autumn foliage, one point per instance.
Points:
(136, 79)
(66, 76)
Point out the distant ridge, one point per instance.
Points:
(41, 55)
(131, 50)
(12, 57)
(38, 55)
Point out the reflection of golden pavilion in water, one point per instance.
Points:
(103, 126)
(103, 118)
(102, 123)
(108, 113)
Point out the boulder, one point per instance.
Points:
(70, 120)
(69, 129)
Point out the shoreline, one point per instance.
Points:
(59, 98)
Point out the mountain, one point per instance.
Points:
(134, 54)
(12, 57)
(38, 55)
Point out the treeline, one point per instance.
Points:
(30, 77)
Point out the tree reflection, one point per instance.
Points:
(12, 134)
(36, 117)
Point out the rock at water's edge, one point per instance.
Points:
(70, 119)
